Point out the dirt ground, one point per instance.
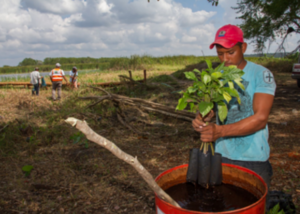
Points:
(72, 175)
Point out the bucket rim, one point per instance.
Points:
(227, 212)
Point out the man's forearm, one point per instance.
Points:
(262, 104)
(243, 127)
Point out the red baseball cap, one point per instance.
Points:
(228, 36)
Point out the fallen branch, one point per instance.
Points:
(99, 101)
(92, 136)
(150, 123)
(129, 127)
(148, 105)
(101, 89)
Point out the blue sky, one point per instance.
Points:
(196, 5)
(111, 28)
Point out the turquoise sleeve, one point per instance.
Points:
(265, 82)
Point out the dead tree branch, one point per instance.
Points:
(99, 101)
(94, 137)
(148, 105)
(129, 127)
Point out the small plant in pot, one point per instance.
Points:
(211, 89)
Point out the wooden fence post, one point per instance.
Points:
(145, 76)
(130, 74)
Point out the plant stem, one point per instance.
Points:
(212, 148)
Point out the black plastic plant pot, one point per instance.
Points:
(192, 173)
(216, 169)
(204, 169)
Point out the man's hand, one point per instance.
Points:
(210, 132)
(65, 80)
(199, 121)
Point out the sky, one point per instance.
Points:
(112, 28)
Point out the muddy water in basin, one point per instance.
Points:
(224, 197)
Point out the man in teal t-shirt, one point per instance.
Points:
(243, 138)
(251, 147)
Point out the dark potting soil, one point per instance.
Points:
(224, 197)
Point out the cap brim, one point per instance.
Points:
(223, 42)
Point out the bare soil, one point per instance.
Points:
(81, 177)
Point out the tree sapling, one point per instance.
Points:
(211, 87)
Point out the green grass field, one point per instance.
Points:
(134, 62)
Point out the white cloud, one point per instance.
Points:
(104, 7)
(188, 39)
(62, 7)
(107, 28)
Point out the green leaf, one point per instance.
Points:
(217, 98)
(231, 73)
(181, 103)
(191, 89)
(205, 107)
(190, 75)
(226, 96)
(220, 67)
(192, 107)
(200, 86)
(200, 94)
(231, 85)
(232, 66)
(232, 92)
(238, 82)
(209, 64)
(216, 75)
(207, 98)
(222, 111)
(275, 209)
(27, 169)
(221, 83)
(196, 70)
(205, 77)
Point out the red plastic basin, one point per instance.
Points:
(232, 174)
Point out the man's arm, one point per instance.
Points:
(65, 79)
(262, 104)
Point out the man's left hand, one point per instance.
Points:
(210, 132)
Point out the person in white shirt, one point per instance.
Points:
(73, 77)
(34, 80)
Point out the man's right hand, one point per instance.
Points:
(198, 122)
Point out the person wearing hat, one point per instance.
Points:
(243, 138)
(34, 80)
(56, 76)
(73, 77)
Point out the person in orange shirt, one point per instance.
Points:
(56, 76)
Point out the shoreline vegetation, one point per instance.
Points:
(134, 62)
